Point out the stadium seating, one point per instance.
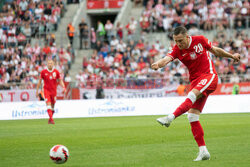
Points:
(21, 22)
(166, 15)
(131, 60)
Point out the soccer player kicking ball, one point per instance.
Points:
(50, 75)
(194, 52)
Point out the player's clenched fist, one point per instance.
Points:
(236, 57)
(155, 66)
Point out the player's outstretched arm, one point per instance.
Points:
(38, 86)
(161, 63)
(222, 53)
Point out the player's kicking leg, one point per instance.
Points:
(198, 133)
(194, 104)
(205, 85)
(184, 107)
(166, 121)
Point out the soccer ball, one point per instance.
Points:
(59, 154)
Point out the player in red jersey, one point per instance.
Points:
(50, 76)
(194, 53)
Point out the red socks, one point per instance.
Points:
(50, 113)
(198, 133)
(184, 107)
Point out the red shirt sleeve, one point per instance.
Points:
(206, 43)
(173, 53)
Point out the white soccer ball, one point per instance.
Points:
(59, 154)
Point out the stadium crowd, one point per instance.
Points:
(113, 58)
(127, 61)
(30, 17)
(20, 22)
(165, 15)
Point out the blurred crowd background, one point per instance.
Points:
(117, 55)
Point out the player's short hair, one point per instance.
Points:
(180, 30)
(50, 59)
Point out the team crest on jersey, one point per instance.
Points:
(54, 74)
(193, 56)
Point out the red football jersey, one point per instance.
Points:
(196, 58)
(50, 79)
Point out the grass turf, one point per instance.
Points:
(126, 142)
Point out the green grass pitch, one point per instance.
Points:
(126, 142)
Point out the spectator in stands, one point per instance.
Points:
(236, 89)
(85, 36)
(144, 23)
(26, 30)
(93, 38)
(131, 27)
(193, 30)
(119, 30)
(23, 4)
(67, 78)
(203, 14)
(167, 22)
(71, 32)
(98, 46)
(114, 41)
(100, 31)
(12, 41)
(121, 46)
(109, 29)
(54, 51)
(81, 28)
(21, 39)
(46, 51)
(234, 78)
(84, 63)
(109, 60)
(19, 22)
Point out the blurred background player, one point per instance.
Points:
(50, 76)
(193, 52)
